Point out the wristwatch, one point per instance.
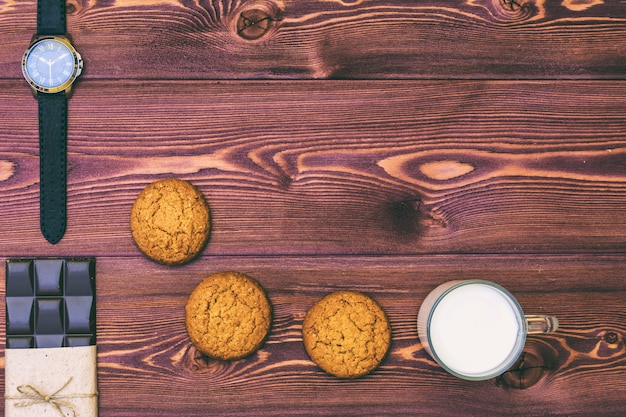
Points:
(50, 65)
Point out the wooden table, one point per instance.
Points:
(380, 146)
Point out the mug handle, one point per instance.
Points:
(541, 324)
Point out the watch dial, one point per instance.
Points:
(49, 64)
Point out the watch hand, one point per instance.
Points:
(45, 61)
(58, 59)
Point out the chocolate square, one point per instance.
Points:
(20, 278)
(49, 276)
(50, 303)
(20, 315)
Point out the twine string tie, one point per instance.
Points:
(33, 396)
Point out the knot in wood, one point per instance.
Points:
(611, 338)
(512, 5)
(75, 7)
(256, 20)
(70, 8)
(527, 371)
(515, 10)
(530, 368)
(253, 24)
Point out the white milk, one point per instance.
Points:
(475, 328)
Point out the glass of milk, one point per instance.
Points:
(476, 329)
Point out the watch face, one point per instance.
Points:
(51, 64)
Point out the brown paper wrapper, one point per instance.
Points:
(51, 382)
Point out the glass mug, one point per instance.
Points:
(476, 329)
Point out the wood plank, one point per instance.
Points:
(475, 139)
(336, 39)
(334, 167)
(147, 365)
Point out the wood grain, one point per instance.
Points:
(336, 39)
(147, 365)
(335, 167)
(384, 146)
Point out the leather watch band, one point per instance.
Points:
(52, 164)
(50, 17)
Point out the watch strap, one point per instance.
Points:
(52, 164)
(50, 17)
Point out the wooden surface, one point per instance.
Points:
(380, 146)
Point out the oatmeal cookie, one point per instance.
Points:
(228, 316)
(170, 221)
(347, 334)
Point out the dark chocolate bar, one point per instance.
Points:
(50, 303)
